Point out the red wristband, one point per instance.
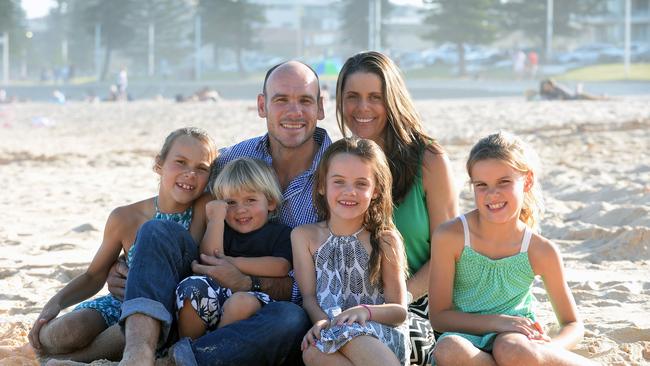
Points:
(367, 308)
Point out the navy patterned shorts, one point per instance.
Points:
(207, 298)
(109, 307)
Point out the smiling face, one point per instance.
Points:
(184, 173)
(247, 210)
(364, 110)
(349, 187)
(291, 105)
(499, 190)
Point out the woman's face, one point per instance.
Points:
(364, 109)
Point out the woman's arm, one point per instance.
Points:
(215, 212)
(546, 261)
(262, 266)
(442, 205)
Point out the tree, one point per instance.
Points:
(231, 24)
(355, 14)
(113, 18)
(11, 21)
(462, 22)
(173, 27)
(530, 17)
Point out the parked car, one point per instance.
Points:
(583, 55)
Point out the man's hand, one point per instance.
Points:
(223, 271)
(116, 280)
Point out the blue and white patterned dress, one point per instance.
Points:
(342, 282)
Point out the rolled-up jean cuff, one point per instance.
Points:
(182, 353)
(150, 308)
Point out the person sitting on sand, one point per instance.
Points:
(483, 265)
(183, 164)
(246, 195)
(550, 89)
(204, 94)
(291, 105)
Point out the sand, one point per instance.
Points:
(63, 168)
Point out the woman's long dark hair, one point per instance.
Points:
(405, 138)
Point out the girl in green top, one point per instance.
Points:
(483, 266)
(373, 103)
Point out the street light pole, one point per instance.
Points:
(549, 29)
(626, 58)
(5, 58)
(151, 58)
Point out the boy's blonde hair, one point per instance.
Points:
(512, 150)
(246, 174)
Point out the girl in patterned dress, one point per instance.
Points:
(247, 194)
(351, 267)
(483, 265)
(183, 164)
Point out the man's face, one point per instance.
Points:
(291, 105)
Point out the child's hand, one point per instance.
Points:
(525, 326)
(313, 334)
(357, 314)
(48, 313)
(216, 210)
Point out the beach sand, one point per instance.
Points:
(63, 168)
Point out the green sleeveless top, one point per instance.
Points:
(411, 218)
(493, 286)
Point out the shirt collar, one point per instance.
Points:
(320, 136)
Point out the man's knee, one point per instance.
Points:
(292, 316)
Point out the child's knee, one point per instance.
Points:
(311, 355)
(515, 349)
(242, 303)
(448, 349)
(71, 332)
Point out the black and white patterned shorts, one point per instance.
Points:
(207, 298)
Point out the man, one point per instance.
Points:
(291, 103)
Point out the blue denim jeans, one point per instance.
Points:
(270, 337)
(163, 256)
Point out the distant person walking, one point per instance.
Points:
(532, 64)
(519, 63)
(122, 83)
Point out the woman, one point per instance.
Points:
(372, 102)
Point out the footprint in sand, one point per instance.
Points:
(59, 247)
(83, 228)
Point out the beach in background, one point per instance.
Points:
(63, 168)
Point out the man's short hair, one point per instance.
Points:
(268, 74)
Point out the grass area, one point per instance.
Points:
(608, 72)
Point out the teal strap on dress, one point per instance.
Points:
(483, 285)
(183, 218)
